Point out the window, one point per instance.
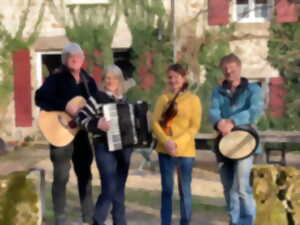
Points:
(84, 2)
(46, 62)
(253, 10)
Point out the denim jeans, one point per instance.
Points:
(235, 177)
(168, 166)
(113, 168)
(80, 152)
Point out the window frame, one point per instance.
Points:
(252, 18)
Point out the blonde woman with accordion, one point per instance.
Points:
(113, 165)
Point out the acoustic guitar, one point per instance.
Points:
(58, 127)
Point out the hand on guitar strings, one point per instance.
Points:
(103, 124)
(170, 147)
(225, 126)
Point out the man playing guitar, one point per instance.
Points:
(67, 82)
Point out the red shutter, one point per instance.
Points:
(276, 97)
(97, 70)
(218, 12)
(286, 11)
(22, 88)
(85, 62)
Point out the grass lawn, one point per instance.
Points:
(146, 203)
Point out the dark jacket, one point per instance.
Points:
(60, 87)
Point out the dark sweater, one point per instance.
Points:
(60, 87)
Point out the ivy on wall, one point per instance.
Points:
(6, 67)
(14, 42)
(284, 55)
(215, 45)
(144, 21)
(151, 47)
(92, 26)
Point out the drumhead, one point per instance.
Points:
(238, 144)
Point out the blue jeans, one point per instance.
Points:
(235, 177)
(167, 166)
(113, 168)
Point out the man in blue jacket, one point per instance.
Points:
(236, 102)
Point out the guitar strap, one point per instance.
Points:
(83, 75)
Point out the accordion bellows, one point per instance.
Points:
(129, 125)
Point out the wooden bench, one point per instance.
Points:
(204, 142)
(277, 137)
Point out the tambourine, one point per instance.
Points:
(240, 143)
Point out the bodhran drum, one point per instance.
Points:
(240, 143)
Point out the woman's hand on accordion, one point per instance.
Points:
(170, 147)
(103, 124)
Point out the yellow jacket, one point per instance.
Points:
(184, 126)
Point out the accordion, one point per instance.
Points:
(130, 125)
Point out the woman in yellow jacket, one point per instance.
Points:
(176, 143)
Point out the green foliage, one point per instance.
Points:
(284, 55)
(144, 12)
(93, 27)
(14, 42)
(19, 193)
(161, 59)
(215, 46)
(145, 20)
(5, 66)
(144, 29)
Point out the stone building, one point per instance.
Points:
(252, 19)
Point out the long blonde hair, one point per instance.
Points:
(116, 71)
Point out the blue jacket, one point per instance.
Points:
(243, 107)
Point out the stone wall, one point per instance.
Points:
(250, 43)
(249, 40)
(20, 199)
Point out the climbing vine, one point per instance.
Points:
(92, 26)
(151, 47)
(14, 42)
(215, 45)
(284, 55)
(151, 56)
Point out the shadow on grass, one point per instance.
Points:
(141, 205)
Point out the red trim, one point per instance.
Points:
(97, 71)
(218, 12)
(276, 97)
(286, 11)
(22, 88)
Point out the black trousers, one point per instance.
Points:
(81, 154)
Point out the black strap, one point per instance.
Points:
(83, 75)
